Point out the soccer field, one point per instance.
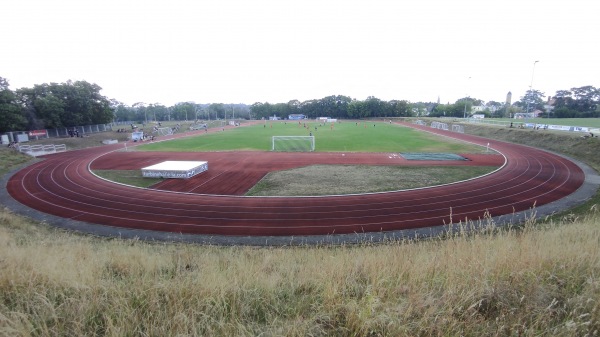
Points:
(346, 136)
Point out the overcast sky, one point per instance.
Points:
(247, 51)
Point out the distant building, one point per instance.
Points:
(296, 117)
(549, 106)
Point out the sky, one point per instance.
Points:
(247, 51)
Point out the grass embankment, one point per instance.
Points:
(587, 122)
(531, 282)
(540, 280)
(10, 159)
(572, 144)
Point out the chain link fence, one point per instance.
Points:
(75, 131)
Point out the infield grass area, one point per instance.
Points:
(128, 177)
(352, 179)
(346, 136)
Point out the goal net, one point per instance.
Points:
(165, 131)
(293, 143)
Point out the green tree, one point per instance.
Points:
(294, 106)
(187, 111)
(158, 112)
(260, 110)
(374, 107)
(141, 112)
(311, 109)
(67, 104)
(217, 110)
(334, 106)
(124, 113)
(11, 117)
(586, 98)
(355, 109)
(578, 102)
(51, 110)
(532, 100)
(399, 108)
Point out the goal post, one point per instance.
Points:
(293, 143)
(165, 131)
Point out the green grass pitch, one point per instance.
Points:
(346, 136)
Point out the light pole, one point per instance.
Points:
(466, 95)
(530, 89)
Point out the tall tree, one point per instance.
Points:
(11, 117)
(532, 100)
(586, 98)
(51, 110)
(158, 112)
(399, 108)
(184, 111)
(217, 110)
(68, 104)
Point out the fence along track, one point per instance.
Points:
(40, 150)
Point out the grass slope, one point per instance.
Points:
(586, 122)
(531, 282)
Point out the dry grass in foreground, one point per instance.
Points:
(543, 281)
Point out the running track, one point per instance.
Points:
(62, 185)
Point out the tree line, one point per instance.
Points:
(69, 104)
(579, 102)
(337, 106)
(183, 111)
(53, 105)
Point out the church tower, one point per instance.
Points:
(507, 105)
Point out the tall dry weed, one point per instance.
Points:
(495, 282)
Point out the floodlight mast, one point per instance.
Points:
(466, 96)
(530, 88)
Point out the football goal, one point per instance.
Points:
(293, 143)
(165, 131)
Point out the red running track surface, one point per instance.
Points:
(63, 185)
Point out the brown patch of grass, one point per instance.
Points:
(347, 179)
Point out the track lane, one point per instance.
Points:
(62, 185)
